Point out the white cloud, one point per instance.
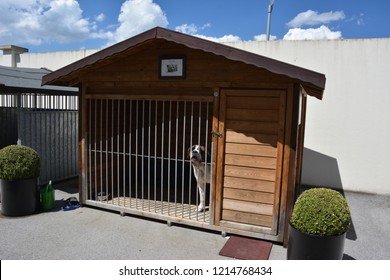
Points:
(62, 21)
(187, 28)
(135, 17)
(321, 33)
(101, 17)
(193, 30)
(311, 18)
(223, 39)
(357, 19)
(38, 21)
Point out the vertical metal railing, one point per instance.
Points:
(137, 154)
(46, 122)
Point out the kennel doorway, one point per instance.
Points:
(250, 175)
(136, 155)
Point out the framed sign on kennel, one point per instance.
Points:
(243, 112)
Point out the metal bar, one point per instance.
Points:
(101, 147)
(190, 167)
(155, 154)
(107, 150)
(176, 148)
(124, 151)
(118, 150)
(149, 127)
(130, 149)
(142, 154)
(199, 143)
(55, 132)
(45, 122)
(60, 150)
(112, 148)
(169, 152)
(206, 158)
(88, 143)
(95, 156)
(183, 158)
(136, 154)
(162, 155)
(66, 139)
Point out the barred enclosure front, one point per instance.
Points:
(137, 155)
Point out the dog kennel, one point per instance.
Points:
(146, 100)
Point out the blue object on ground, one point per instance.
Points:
(70, 204)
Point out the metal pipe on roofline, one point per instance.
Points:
(270, 7)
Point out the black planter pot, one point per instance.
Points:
(19, 198)
(304, 246)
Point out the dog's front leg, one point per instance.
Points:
(201, 206)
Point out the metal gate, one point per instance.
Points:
(46, 122)
(136, 156)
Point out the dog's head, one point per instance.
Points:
(196, 154)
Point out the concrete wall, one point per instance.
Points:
(49, 60)
(347, 142)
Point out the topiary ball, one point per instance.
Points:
(18, 162)
(321, 211)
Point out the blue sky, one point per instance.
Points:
(57, 25)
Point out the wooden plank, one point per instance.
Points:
(220, 159)
(288, 193)
(251, 138)
(247, 218)
(249, 184)
(254, 127)
(239, 102)
(215, 126)
(150, 97)
(245, 195)
(251, 173)
(240, 227)
(250, 161)
(252, 115)
(255, 150)
(245, 206)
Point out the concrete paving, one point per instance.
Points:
(88, 233)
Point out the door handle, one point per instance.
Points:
(216, 133)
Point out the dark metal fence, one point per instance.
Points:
(46, 122)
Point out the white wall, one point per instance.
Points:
(347, 142)
(49, 60)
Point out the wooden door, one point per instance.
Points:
(250, 159)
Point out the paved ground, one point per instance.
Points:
(88, 233)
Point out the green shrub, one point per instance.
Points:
(18, 162)
(322, 212)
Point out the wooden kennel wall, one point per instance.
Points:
(256, 109)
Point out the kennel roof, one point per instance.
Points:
(312, 82)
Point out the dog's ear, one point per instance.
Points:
(189, 152)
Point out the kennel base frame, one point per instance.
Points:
(253, 232)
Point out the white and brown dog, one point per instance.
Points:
(202, 172)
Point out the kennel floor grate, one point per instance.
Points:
(162, 208)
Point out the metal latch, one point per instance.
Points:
(216, 134)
